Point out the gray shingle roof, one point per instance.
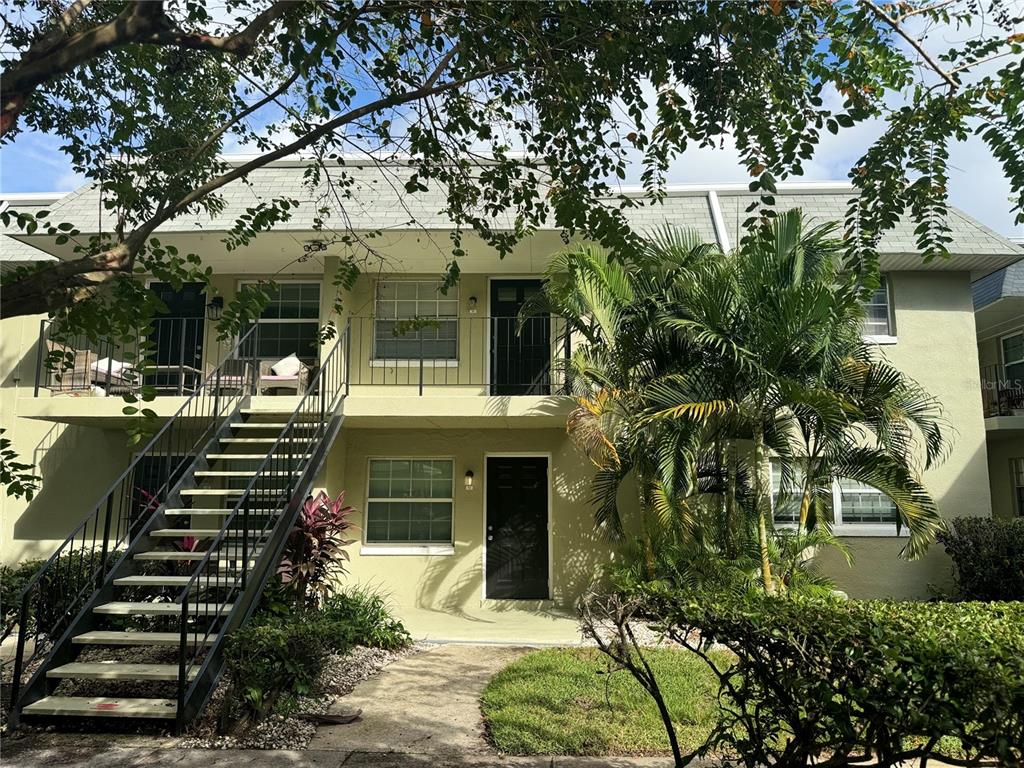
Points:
(378, 200)
(14, 253)
(1003, 284)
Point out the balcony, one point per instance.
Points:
(1002, 400)
(458, 372)
(436, 372)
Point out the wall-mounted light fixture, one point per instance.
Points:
(472, 305)
(215, 308)
(469, 479)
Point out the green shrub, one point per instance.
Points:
(825, 678)
(13, 580)
(988, 557)
(274, 659)
(363, 616)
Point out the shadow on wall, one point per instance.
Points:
(439, 593)
(879, 572)
(70, 487)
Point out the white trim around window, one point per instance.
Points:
(839, 527)
(384, 546)
(407, 298)
(877, 331)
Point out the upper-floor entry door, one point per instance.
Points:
(520, 354)
(177, 336)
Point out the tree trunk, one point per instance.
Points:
(763, 504)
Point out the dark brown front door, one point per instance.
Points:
(517, 527)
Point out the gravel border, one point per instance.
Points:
(340, 675)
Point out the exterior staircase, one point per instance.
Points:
(128, 618)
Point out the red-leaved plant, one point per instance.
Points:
(314, 556)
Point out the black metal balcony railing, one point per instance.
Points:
(168, 355)
(476, 355)
(1000, 395)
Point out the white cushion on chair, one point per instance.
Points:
(289, 366)
(108, 365)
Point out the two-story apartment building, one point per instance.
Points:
(472, 501)
(999, 317)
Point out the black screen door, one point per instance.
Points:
(517, 528)
(520, 357)
(178, 336)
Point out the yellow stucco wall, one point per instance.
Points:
(454, 583)
(76, 463)
(936, 345)
(1002, 450)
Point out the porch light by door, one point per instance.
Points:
(215, 308)
(469, 480)
(472, 305)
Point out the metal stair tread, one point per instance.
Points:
(124, 608)
(116, 670)
(259, 425)
(114, 637)
(83, 706)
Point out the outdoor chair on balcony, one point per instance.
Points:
(279, 375)
(74, 380)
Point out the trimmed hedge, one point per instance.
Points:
(826, 678)
(988, 557)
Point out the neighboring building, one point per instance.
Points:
(999, 317)
(453, 446)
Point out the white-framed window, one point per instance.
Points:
(410, 501)
(878, 313)
(413, 320)
(857, 509)
(1017, 469)
(290, 322)
(1013, 359)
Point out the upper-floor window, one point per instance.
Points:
(878, 309)
(1013, 360)
(413, 320)
(290, 322)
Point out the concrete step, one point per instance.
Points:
(278, 425)
(200, 533)
(232, 491)
(168, 554)
(225, 473)
(263, 440)
(116, 670)
(166, 581)
(81, 706)
(158, 609)
(217, 511)
(248, 456)
(109, 637)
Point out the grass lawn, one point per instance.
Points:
(561, 702)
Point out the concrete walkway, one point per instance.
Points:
(250, 758)
(426, 703)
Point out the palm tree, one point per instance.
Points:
(697, 367)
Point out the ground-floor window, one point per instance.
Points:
(1017, 467)
(409, 501)
(856, 507)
